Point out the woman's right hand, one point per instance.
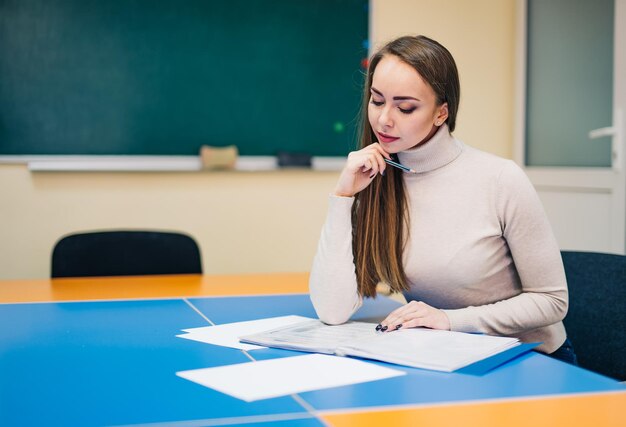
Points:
(360, 169)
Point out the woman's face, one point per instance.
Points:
(402, 109)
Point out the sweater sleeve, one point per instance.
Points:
(544, 298)
(333, 283)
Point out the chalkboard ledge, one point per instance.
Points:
(76, 163)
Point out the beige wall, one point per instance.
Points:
(257, 222)
(244, 222)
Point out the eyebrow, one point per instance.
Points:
(395, 98)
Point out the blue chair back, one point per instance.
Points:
(596, 319)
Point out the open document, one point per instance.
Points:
(417, 347)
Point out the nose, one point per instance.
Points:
(384, 120)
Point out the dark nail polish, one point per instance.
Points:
(398, 326)
(379, 327)
(372, 175)
(384, 328)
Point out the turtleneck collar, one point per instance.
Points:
(437, 152)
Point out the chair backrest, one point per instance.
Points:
(125, 253)
(596, 320)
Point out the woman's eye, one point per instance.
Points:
(407, 110)
(377, 103)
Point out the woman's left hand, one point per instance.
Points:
(415, 314)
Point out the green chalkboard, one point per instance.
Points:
(164, 77)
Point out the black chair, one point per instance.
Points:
(596, 320)
(125, 253)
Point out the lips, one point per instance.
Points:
(386, 138)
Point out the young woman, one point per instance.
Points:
(463, 236)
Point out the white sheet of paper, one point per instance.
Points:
(279, 377)
(227, 335)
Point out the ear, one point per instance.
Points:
(442, 114)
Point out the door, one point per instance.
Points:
(571, 115)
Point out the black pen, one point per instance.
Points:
(399, 166)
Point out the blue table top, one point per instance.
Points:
(114, 363)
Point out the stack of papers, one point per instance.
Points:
(421, 348)
(227, 335)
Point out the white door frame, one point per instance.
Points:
(608, 182)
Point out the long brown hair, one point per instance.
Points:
(379, 214)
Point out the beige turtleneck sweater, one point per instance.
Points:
(480, 247)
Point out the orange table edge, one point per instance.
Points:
(584, 410)
(151, 287)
